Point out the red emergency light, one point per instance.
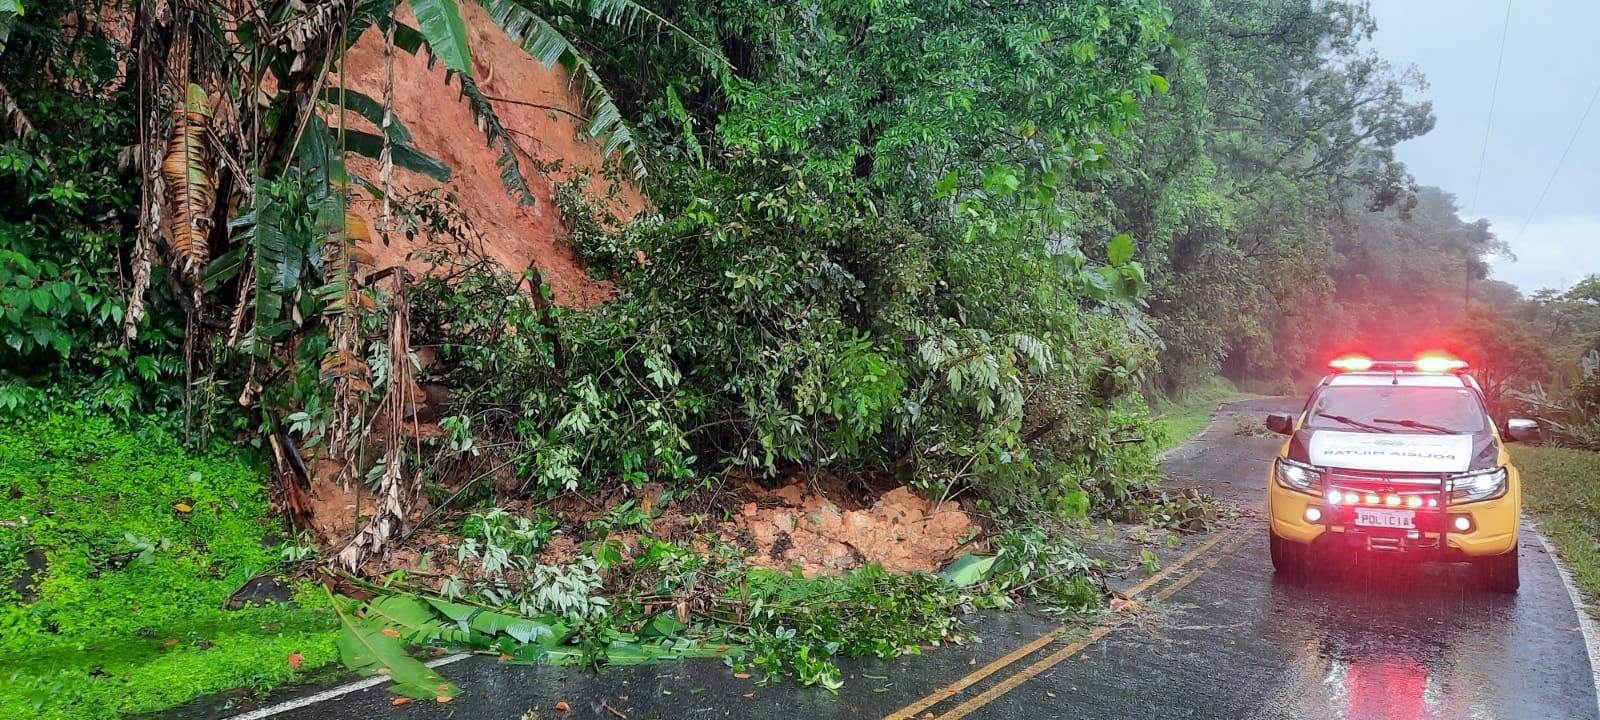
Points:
(1440, 364)
(1352, 363)
(1426, 363)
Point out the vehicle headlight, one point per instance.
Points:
(1478, 485)
(1299, 476)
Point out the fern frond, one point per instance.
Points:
(624, 13)
(1034, 350)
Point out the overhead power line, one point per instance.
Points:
(1494, 92)
(1570, 141)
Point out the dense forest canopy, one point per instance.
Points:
(960, 243)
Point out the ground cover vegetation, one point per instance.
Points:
(951, 246)
(1559, 489)
(122, 553)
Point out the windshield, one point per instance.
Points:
(1389, 408)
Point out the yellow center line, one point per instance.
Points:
(978, 675)
(1055, 658)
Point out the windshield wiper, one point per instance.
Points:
(1353, 422)
(1417, 425)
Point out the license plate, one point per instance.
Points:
(1394, 519)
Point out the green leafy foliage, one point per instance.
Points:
(802, 337)
(1256, 184)
(968, 570)
(626, 651)
(547, 631)
(893, 219)
(66, 214)
(413, 620)
(797, 626)
(1031, 562)
(441, 24)
(374, 648)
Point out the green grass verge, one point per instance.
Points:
(144, 543)
(1561, 488)
(1179, 421)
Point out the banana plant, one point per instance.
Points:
(191, 181)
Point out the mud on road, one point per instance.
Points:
(1213, 634)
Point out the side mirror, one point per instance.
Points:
(1521, 429)
(1280, 423)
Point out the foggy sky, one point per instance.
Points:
(1551, 68)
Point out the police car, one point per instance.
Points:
(1401, 458)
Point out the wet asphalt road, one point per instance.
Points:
(1216, 636)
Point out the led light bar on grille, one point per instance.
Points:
(1410, 500)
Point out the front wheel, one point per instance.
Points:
(1288, 557)
(1498, 573)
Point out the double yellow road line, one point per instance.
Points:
(1232, 539)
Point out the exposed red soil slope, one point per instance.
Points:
(442, 125)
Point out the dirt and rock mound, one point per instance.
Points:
(819, 526)
(789, 527)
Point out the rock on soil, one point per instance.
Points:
(34, 566)
(261, 590)
(792, 527)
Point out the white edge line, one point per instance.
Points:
(1586, 622)
(332, 693)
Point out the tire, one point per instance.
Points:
(1288, 558)
(1498, 573)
